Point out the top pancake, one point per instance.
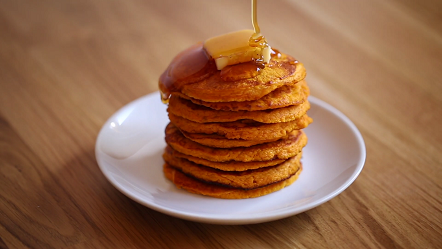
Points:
(281, 70)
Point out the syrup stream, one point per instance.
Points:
(255, 18)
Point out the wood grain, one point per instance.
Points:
(66, 66)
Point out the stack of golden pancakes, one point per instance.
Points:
(236, 132)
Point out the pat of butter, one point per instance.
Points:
(234, 48)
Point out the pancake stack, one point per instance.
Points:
(237, 132)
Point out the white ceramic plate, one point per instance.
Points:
(130, 145)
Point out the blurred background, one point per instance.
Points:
(345, 45)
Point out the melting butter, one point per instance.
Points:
(238, 47)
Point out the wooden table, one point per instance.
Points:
(66, 66)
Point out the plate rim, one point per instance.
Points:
(255, 217)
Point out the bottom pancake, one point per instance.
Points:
(198, 187)
(248, 179)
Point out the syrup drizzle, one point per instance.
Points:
(194, 64)
(255, 17)
(257, 39)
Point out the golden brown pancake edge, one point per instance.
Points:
(280, 149)
(238, 179)
(198, 187)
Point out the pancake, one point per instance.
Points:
(226, 166)
(218, 141)
(234, 132)
(281, 70)
(195, 186)
(244, 129)
(280, 149)
(238, 179)
(201, 114)
(280, 97)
